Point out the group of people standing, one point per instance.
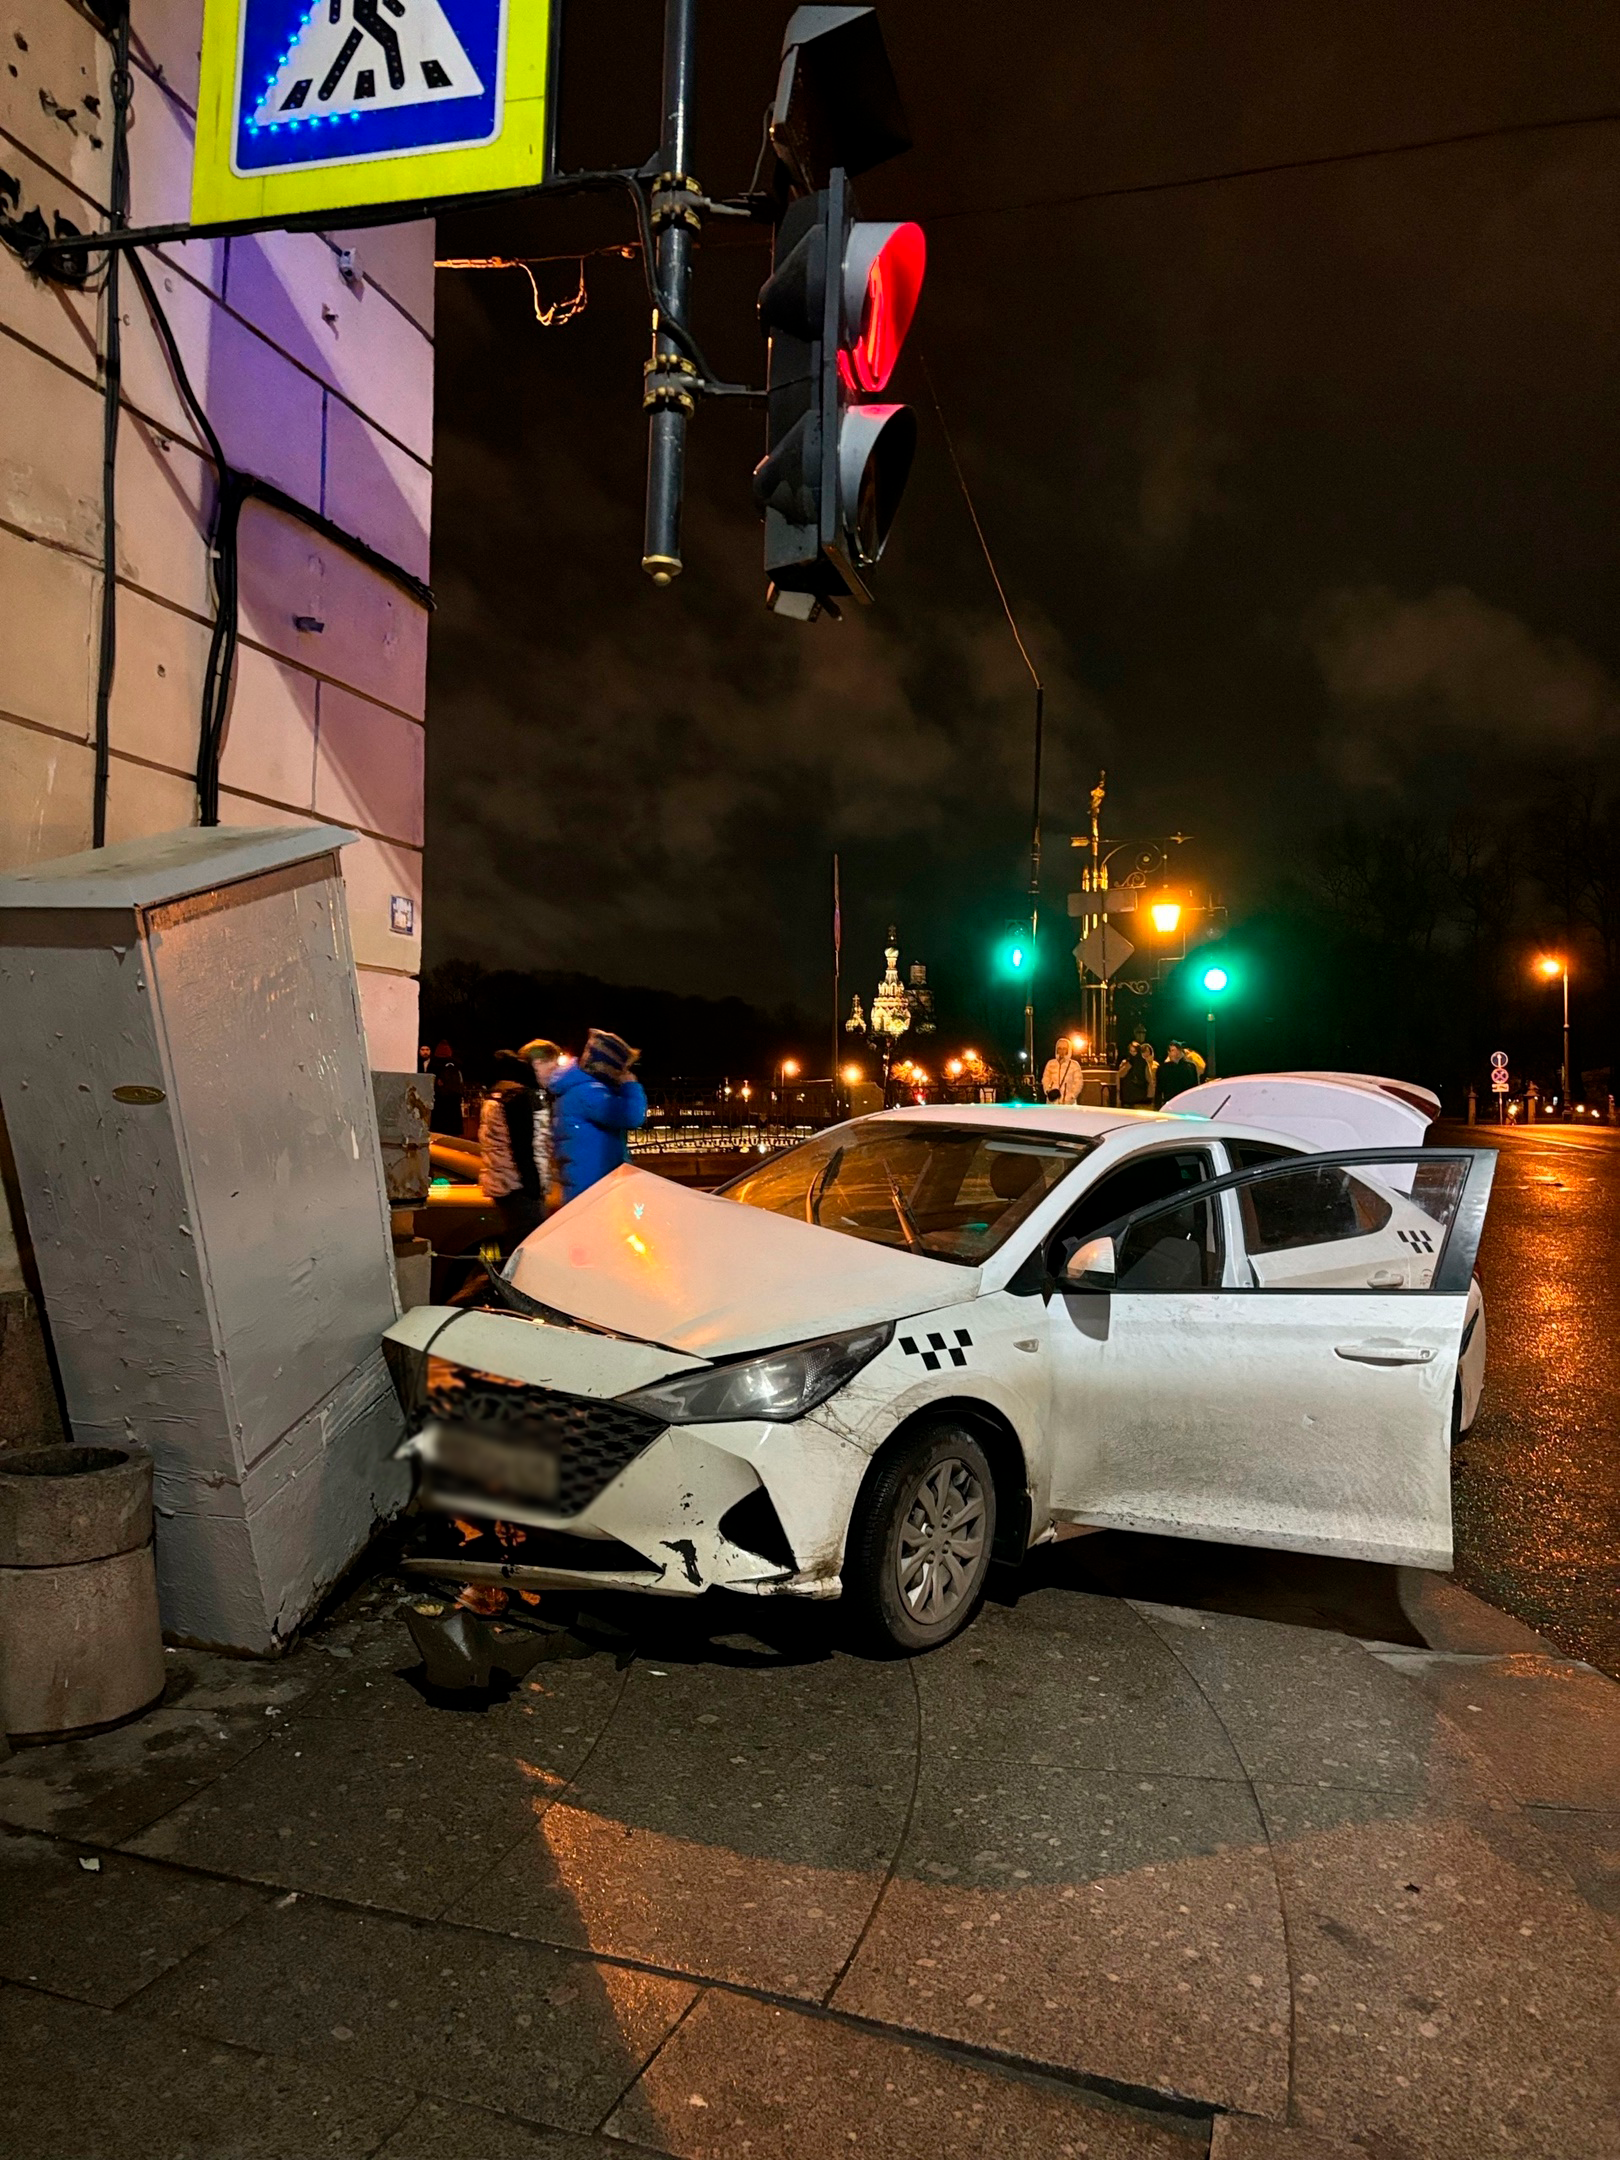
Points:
(1145, 1082)
(550, 1127)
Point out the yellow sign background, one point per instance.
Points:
(515, 159)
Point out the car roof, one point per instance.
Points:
(1068, 1121)
(1078, 1121)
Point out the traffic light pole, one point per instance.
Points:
(1034, 894)
(668, 396)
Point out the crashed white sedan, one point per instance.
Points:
(927, 1339)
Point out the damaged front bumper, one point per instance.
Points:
(591, 1492)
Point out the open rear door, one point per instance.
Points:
(1275, 1361)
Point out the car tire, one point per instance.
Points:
(920, 1544)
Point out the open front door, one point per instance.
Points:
(1273, 1362)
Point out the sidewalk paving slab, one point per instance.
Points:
(1454, 1994)
(745, 2080)
(1303, 1706)
(375, 1794)
(1066, 1677)
(100, 1933)
(1550, 1726)
(454, 2012)
(1239, 2137)
(444, 2130)
(1587, 1840)
(99, 2085)
(215, 1711)
(1119, 1926)
(760, 1873)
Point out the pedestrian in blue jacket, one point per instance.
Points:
(593, 1105)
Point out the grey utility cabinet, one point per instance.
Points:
(185, 1083)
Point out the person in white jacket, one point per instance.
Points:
(1063, 1076)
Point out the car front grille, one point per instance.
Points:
(591, 1441)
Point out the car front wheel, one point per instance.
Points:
(919, 1548)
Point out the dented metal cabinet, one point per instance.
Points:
(185, 1083)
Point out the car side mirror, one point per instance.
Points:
(1090, 1266)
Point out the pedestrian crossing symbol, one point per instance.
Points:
(349, 59)
(342, 104)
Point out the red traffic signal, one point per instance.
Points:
(837, 307)
(883, 278)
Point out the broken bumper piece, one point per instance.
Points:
(694, 1508)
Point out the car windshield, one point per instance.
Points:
(951, 1192)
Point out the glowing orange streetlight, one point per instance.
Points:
(1166, 916)
(852, 1074)
(1551, 968)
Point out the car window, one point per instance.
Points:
(1174, 1249)
(1250, 1154)
(1136, 1184)
(1382, 1226)
(951, 1192)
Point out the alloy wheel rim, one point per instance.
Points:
(940, 1549)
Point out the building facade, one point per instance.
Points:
(312, 358)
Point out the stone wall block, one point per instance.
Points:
(397, 260)
(289, 286)
(55, 94)
(50, 450)
(270, 732)
(376, 873)
(369, 767)
(52, 609)
(44, 801)
(376, 490)
(157, 689)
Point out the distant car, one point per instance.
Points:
(929, 1338)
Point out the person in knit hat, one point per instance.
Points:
(594, 1104)
(514, 1142)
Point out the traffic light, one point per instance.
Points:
(1214, 980)
(836, 308)
(1016, 955)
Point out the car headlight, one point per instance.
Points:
(783, 1385)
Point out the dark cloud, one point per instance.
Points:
(1281, 474)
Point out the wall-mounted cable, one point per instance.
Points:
(234, 489)
(112, 384)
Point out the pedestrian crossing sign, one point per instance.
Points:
(310, 105)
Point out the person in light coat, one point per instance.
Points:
(1063, 1076)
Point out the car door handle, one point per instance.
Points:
(1384, 1353)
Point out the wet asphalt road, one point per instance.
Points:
(1536, 1493)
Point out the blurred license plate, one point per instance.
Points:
(528, 1472)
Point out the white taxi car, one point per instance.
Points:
(927, 1339)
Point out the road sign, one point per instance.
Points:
(344, 104)
(1104, 952)
(1499, 1059)
(1499, 1080)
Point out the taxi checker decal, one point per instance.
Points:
(1419, 1240)
(936, 1350)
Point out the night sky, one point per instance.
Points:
(1303, 484)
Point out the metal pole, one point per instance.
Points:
(1209, 1046)
(668, 396)
(1566, 1039)
(838, 998)
(1034, 893)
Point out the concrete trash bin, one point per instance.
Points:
(80, 1644)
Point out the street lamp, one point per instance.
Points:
(1551, 969)
(1166, 916)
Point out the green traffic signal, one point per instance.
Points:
(1017, 956)
(1216, 980)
